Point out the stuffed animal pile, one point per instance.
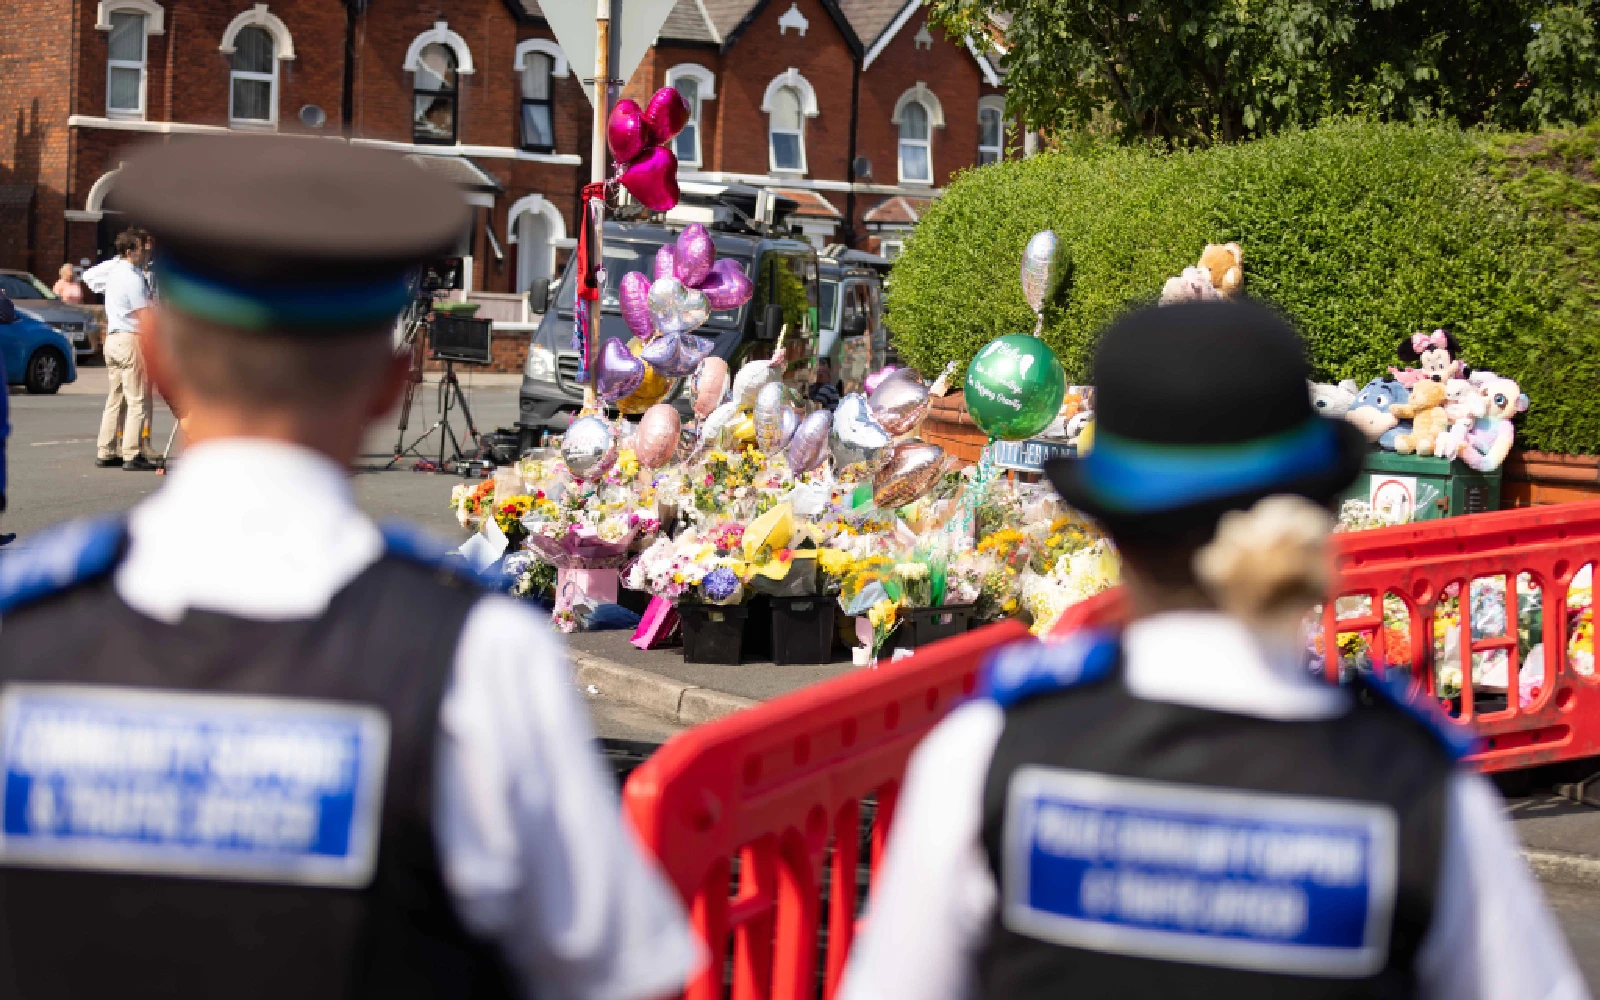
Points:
(1219, 275)
(1441, 408)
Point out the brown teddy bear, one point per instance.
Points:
(1425, 410)
(1225, 261)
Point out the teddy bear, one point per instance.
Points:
(1425, 410)
(1333, 400)
(1225, 261)
(1193, 285)
(1370, 412)
(1464, 403)
(1436, 352)
(1487, 440)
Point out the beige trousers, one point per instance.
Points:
(128, 401)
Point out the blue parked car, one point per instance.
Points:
(35, 355)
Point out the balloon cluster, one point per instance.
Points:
(638, 138)
(1015, 384)
(879, 428)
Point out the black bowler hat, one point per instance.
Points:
(288, 234)
(1202, 408)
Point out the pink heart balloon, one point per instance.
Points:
(664, 262)
(667, 113)
(726, 286)
(626, 131)
(656, 440)
(653, 179)
(693, 255)
(620, 372)
(633, 293)
(709, 386)
(871, 382)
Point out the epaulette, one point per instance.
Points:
(59, 558)
(1456, 739)
(1024, 669)
(413, 545)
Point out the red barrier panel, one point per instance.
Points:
(1412, 585)
(776, 787)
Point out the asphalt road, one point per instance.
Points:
(52, 478)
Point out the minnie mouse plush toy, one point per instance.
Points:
(1437, 352)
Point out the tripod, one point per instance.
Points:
(414, 329)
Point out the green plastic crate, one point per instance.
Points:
(1456, 489)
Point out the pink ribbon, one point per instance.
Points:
(1422, 341)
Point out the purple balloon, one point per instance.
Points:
(632, 298)
(620, 372)
(727, 286)
(692, 255)
(871, 382)
(676, 355)
(809, 444)
(664, 262)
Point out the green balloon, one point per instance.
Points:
(1014, 387)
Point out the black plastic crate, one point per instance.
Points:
(713, 633)
(920, 626)
(802, 629)
(757, 646)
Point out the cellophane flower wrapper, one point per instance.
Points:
(582, 548)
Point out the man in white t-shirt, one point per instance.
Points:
(127, 295)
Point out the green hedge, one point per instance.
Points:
(1361, 233)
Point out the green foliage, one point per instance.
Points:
(1206, 70)
(1361, 233)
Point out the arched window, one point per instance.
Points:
(916, 159)
(697, 85)
(786, 132)
(538, 123)
(254, 79)
(535, 226)
(989, 136)
(125, 65)
(433, 117)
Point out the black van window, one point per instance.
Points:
(789, 280)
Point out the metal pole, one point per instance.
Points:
(599, 162)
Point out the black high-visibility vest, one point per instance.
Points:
(1153, 850)
(387, 641)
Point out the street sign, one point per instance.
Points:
(1029, 456)
(634, 25)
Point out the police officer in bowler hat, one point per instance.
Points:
(1180, 807)
(255, 745)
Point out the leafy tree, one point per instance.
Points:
(1200, 71)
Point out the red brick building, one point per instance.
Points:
(845, 106)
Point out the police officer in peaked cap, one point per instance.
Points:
(254, 744)
(1179, 807)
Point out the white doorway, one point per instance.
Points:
(535, 255)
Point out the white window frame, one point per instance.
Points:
(792, 80)
(143, 65)
(997, 104)
(919, 94)
(555, 224)
(706, 88)
(901, 142)
(271, 121)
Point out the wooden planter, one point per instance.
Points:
(950, 427)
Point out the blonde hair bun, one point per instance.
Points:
(1266, 565)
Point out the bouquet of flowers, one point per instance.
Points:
(531, 576)
(916, 584)
(468, 501)
(883, 616)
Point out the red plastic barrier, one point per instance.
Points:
(778, 785)
(1539, 548)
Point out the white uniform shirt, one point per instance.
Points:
(1492, 937)
(531, 840)
(125, 291)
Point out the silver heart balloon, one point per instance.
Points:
(1041, 269)
(900, 402)
(676, 308)
(748, 382)
(909, 470)
(857, 436)
(809, 445)
(589, 447)
(776, 417)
